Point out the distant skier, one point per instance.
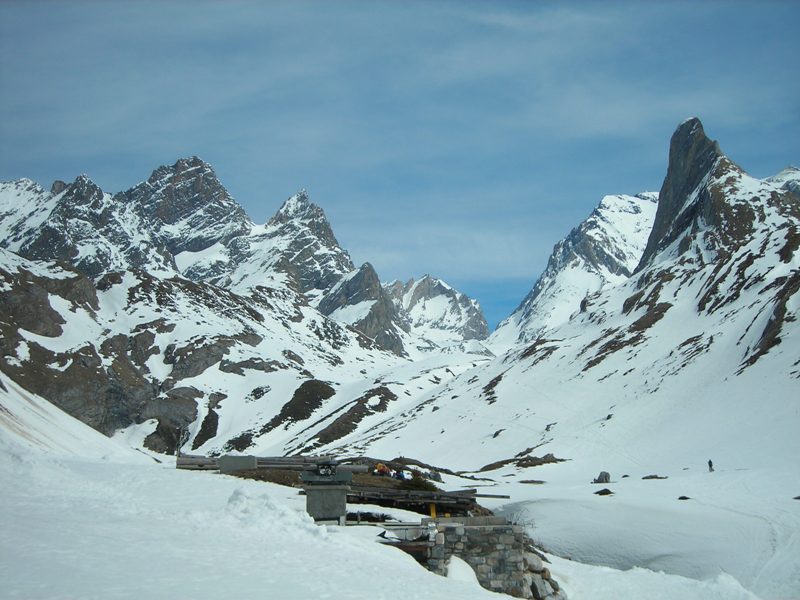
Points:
(710, 466)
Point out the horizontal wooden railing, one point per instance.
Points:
(289, 463)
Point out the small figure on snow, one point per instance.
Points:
(710, 466)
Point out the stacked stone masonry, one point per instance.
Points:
(500, 555)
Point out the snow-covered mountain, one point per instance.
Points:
(359, 299)
(438, 312)
(182, 222)
(711, 306)
(691, 354)
(603, 250)
(296, 247)
(81, 225)
(187, 355)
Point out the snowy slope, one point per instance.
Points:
(194, 356)
(602, 251)
(82, 516)
(692, 358)
(98, 526)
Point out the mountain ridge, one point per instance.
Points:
(182, 221)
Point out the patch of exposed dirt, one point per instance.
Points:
(523, 462)
(306, 399)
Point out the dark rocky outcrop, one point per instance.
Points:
(382, 322)
(374, 401)
(306, 228)
(100, 386)
(186, 207)
(692, 156)
(306, 399)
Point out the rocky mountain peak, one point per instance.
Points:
(601, 251)
(188, 167)
(188, 206)
(788, 179)
(427, 288)
(360, 300)
(437, 311)
(300, 207)
(311, 252)
(692, 156)
(81, 192)
(58, 187)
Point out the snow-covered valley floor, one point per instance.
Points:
(737, 528)
(84, 516)
(113, 528)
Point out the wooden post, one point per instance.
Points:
(432, 506)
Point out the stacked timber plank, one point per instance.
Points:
(285, 463)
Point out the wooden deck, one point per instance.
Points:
(293, 463)
(459, 502)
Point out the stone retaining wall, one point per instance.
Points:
(500, 554)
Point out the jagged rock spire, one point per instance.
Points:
(692, 155)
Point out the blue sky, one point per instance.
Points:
(460, 139)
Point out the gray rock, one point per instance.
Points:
(383, 322)
(603, 477)
(533, 562)
(692, 155)
(186, 207)
(539, 587)
(313, 257)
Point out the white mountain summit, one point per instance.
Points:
(602, 251)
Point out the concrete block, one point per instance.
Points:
(328, 502)
(231, 464)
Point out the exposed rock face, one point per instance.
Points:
(182, 221)
(137, 347)
(100, 385)
(718, 232)
(312, 255)
(719, 300)
(359, 299)
(186, 207)
(692, 157)
(374, 401)
(81, 225)
(602, 251)
(179, 208)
